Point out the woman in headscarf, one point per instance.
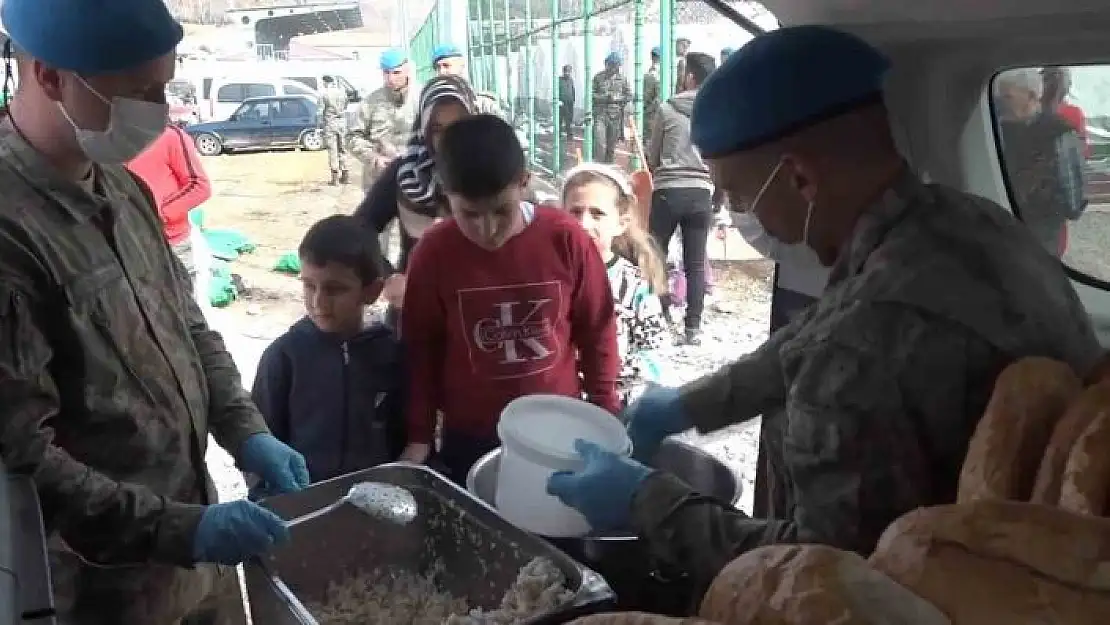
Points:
(407, 189)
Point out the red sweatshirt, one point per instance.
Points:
(483, 327)
(171, 168)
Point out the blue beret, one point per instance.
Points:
(614, 58)
(656, 51)
(445, 51)
(392, 58)
(780, 82)
(92, 37)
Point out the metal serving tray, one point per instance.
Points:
(481, 552)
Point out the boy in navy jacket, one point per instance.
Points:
(332, 387)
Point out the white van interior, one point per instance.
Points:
(945, 55)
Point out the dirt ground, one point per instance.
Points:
(272, 198)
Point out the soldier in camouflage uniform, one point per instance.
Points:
(612, 94)
(385, 117)
(651, 95)
(449, 61)
(112, 380)
(332, 109)
(869, 398)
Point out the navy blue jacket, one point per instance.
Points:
(340, 403)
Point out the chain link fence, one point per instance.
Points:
(527, 52)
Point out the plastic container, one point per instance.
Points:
(537, 435)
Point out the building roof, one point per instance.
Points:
(365, 37)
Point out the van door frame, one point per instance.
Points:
(781, 307)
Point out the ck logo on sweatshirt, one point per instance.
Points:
(511, 329)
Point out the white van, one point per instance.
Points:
(224, 95)
(220, 96)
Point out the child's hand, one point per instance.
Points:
(394, 290)
(416, 453)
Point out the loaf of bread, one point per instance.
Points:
(1085, 487)
(637, 618)
(1000, 562)
(1006, 450)
(1094, 400)
(811, 584)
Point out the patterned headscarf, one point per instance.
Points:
(416, 176)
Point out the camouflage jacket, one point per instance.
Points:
(112, 382)
(331, 107)
(612, 94)
(385, 123)
(871, 395)
(651, 94)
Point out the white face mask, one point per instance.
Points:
(132, 126)
(768, 244)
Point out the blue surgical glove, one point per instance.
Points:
(655, 416)
(231, 532)
(278, 465)
(603, 490)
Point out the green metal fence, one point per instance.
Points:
(424, 41)
(517, 49)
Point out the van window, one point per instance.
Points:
(239, 91)
(308, 81)
(230, 93)
(206, 88)
(259, 90)
(296, 90)
(1053, 132)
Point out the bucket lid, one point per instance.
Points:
(549, 424)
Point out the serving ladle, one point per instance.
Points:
(386, 502)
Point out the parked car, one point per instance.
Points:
(261, 124)
(226, 94)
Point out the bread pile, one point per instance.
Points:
(1026, 543)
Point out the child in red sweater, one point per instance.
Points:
(503, 300)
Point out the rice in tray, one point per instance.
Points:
(389, 597)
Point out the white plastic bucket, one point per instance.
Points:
(537, 435)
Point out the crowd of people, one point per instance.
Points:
(111, 380)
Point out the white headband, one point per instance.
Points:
(606, 171)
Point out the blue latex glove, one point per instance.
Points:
(603, 490)
(280, 467)
(229, 533)
(655, 416)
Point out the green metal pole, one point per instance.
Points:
(471, 42)
(493, 51)
(666, 44)
(557, 144)
(587, 52)
(508, 57)
(479, 80)
(638, 76)
(530, 83)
